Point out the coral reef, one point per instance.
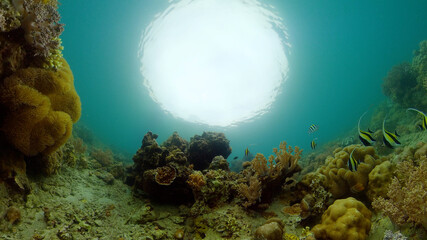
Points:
(165, 175)
(219, 162)
(405, 83)
(271, 174)
(176, 142)
(39, 108)
(32, 29)
(217, 188)
(204, 148)
(251, 191)
(389, 235)
(379, 180)
(161, 173)
(407, 194)
(336, 176)
(345, 219)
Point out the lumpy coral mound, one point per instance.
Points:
(39, 107)
(346, 219)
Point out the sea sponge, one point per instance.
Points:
(336, 176)
(379, 180)
(39, 107)
(344, 219)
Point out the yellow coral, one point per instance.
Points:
(39, 107)
(336, 176)
(345, 219)
(379, 180)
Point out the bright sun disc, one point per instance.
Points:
(217, 62)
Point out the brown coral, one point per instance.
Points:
(13, 215)
(407, 194)
(196, 180)
(272, 173)
(165, 175)
(251, 192)
(40, 107)
(42, 28)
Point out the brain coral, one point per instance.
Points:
(38, 108)
(345, 219)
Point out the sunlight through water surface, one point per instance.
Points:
(217, 62)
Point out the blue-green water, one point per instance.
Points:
(341, 50)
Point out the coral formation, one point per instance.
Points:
(405, 83)
(345, 219)
(39, 107)
(407, 194)
(176, 142)
(165, 175)
(219, 162)
(379, 179)
(336, 176)
(271, 174)
(389, 235)
(251, 191)
(34, 25)
(204, 148)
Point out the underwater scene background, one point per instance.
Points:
(88, 152)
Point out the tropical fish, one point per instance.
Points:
(313, 144)
(365, 137)
(312, 128)
(352, 162)
(247, 152)
(423, 125)
(235, 157)
(390, 139)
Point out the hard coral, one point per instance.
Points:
(39, 107)
(204, 148)
(407, 194)
(346, 219)
(336, 176)
(379, 180)
(165, 175)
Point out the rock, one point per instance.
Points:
(269, 231)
